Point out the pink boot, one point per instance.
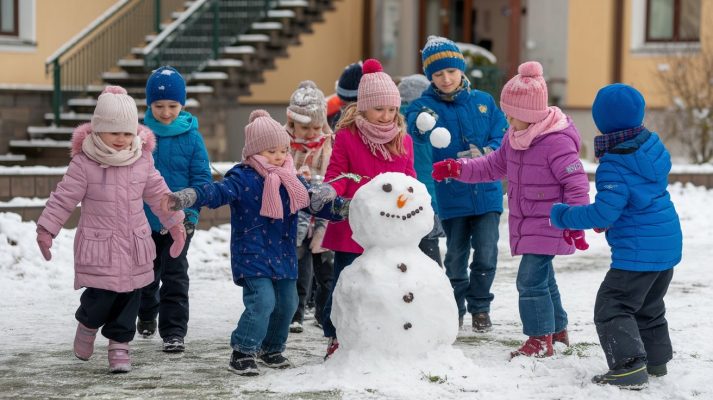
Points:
(561, 337)
(119, 359)
(535, 346)
(84, 342)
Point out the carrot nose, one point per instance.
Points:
(401, 201)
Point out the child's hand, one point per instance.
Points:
(178, 234)
(576, 237)
(448, 168)
(426, 120)
(178, 200)
(305, 172)
(44, 240)
(319, 195)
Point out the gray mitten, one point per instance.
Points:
(182, 199)
(319, 195)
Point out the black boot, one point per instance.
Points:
(146, 328)
(275, 360)
(481, 322)
(631, 376)
(657, 370)
(243, 364)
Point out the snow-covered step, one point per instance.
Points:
(254, 38)
(275, 14)
(209, 76)
(131, 63)
(35, 143)
(10, 157)
(225, 63)
(76, 117)
(266, 26)
(238, 50)
(38, 132)
(292, 4)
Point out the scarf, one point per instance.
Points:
(555, 121)
(274, 176)
(95, 148)
(307, 145)
(604, 143)
(450, 97)
(376, 135)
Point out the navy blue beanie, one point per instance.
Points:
(618, 107)
(165, 83)
(348, 83)
(441, 53)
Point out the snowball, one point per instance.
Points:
(425, 122)
(440, 138)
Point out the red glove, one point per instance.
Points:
(448, 168)
(576, 237)
(44, 240)
(178, 234)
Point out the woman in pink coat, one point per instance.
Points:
(371, 139)
(111, 173)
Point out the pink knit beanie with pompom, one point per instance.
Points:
(115, 112)
(524, 97)
(263, 133)
(376, 88)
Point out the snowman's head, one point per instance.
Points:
(393, 209)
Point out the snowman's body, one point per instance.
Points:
(393, 299)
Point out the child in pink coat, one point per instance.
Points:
(111, 173)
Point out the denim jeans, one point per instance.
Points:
(341, 260)
(541, 308)
(265, 323)
(481, 233)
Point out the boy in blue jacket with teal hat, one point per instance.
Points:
(643, 230)
(182, 160)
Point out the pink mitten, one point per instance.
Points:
(448, 168)
(576, 237)
(178, 234)
(44, 240)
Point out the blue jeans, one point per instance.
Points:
(342, 260)
(269, 307)
(541, 308)
(481, 233)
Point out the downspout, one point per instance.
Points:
(514, 37)
(618, 38)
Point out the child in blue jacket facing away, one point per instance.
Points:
(643, 231)
(265, 195)
(182, 160)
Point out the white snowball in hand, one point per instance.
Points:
(440, 138)
(425, 122)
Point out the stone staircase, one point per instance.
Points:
(218, 82)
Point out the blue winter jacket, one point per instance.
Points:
(423, 162)
(471, 118)
(180, 157)
(259, 246)
(643, 232)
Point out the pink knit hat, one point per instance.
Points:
(115, 112)
(262, 133)
(376, 87)
(524, 97)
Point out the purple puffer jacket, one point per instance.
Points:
(548, 172)
(113, 249)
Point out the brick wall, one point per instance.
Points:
(20, 108)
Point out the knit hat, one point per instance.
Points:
(412, 86)
(307, 105)
(618, 107)
(348, 82)
(376, 88)
(440, 53)
(262, 133)
(115, 112)
(524, 96)
(165, 83)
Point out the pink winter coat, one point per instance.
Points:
(113, 249)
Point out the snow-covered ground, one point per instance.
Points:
(37, 305)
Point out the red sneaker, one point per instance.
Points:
(561, 337)
(535, 346)
(331, 347)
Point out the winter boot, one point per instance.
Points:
(119, 358)
(331, 347)
(561, 337)
(296, 327)
(243, 364)
(481, 322)
(632, 376)
(657, 370)
(173, 345)
(535, 346)
(146, 328)
(275, 360)
(84, 342)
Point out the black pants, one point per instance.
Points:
(630, 317)
(114, 312)
(317, 268)
(170, 301)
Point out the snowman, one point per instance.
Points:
(393, 299)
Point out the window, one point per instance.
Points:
(673, 20)
(9, 18)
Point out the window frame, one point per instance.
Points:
(675, 28)
(16, 21)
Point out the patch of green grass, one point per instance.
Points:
(433, 378)
(580, 349)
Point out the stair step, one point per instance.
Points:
(238, 50)
(49, 132)
(254, 38)
(76, 118)
(266, 26)
(209, 76)
(11, 157)
(280, 14)
(225, 62)
(88, 104)
(292, 4)
(141, 90)
(131, 63)
(37, 143)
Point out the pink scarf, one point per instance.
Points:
(376, 136)
(555, 121)
(274, 176)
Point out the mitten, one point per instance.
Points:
(178, 200)
(426, 120)
(556, 213)
(576, 237)
(178, 234)
(448, 168)
(319, 195)
(44, 240)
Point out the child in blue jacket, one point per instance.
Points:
(643, 230)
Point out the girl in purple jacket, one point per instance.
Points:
(540, 158)
(111, 173)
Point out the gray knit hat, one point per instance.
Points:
(412, 86)
(307, 105)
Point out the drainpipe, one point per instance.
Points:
(514, 37)
(618, 41)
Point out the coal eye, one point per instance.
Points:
(410, 189)
(386, 187)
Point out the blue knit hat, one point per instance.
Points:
(441, 53)
(348, 83)
(165, 83)
(618, 107)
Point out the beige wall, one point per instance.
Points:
(56, 22)
(334, 44)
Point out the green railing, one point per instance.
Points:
(81, 61)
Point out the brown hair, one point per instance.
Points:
(395, 146)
